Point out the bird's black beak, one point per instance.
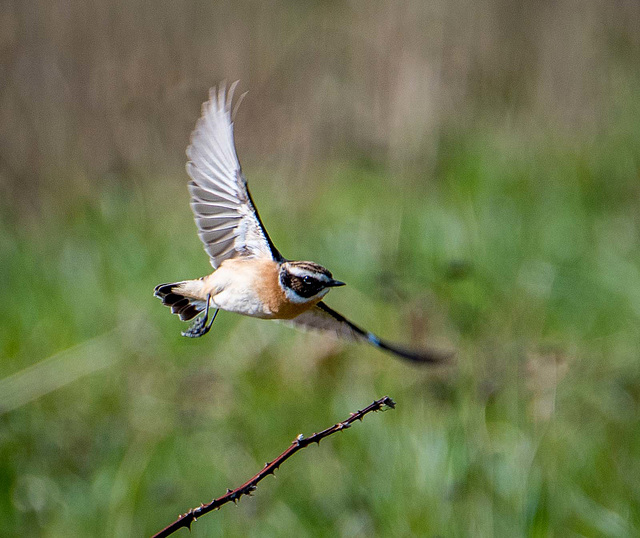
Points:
(335, 284)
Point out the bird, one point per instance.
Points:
(250, 275)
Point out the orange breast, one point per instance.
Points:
(289, 310)
(273, 296)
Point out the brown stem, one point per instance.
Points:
(248, 487)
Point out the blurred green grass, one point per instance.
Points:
(521, 256)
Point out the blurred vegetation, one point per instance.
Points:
(471, 169)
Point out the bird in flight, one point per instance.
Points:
(250, 275)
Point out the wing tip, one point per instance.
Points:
(221, 97)
(426, 356)
(219, 103)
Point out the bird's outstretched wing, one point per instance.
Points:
(323, 318)
(228, 222)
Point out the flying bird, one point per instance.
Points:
(250, 275)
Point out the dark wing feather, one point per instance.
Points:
(227, 219)
(323, 318)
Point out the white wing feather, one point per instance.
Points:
(227, 220)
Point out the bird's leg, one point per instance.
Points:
(200, 327)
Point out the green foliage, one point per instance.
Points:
(523, 257)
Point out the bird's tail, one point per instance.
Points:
(182, 297)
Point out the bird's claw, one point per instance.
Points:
(200, 327)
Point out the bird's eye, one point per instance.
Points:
(307, 279)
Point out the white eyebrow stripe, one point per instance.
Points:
(301, 273)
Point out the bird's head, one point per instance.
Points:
(304, 282)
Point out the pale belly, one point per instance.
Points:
(242, 301)
(238, 286)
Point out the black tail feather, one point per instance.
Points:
(184, 307)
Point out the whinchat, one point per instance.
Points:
(250, 275)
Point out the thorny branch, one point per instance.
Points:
(248, 487)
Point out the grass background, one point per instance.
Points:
(498, 219)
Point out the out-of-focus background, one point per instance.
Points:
(470, 168)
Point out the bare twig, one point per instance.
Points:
(248, 487)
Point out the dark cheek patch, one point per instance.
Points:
(297, 284)
(309, 290)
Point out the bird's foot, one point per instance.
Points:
(200, 327)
